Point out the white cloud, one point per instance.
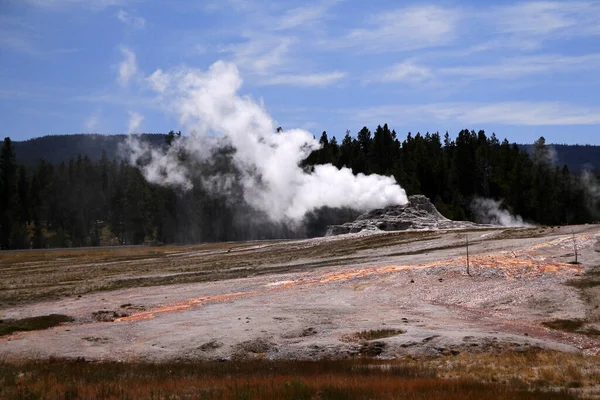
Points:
(92, 121)
(542, 18)
(320, 79)
(404, 29)
(260, 54)
(93, 5)
(527, 26)
(127, 67)
(18, 36)
(304, 16)
(406, 71)
(200, 49)
(24, 45)
(158, 81)
(522, 66)
(135, 120)
(504, 113)
(131, 20)
(504, 69)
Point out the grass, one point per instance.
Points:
(9, 326)
(572, 325)
(353, 379)
(567, 325)
(533, 369)
(32, 275)
(588, 281)
(372, 335)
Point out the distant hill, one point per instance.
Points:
(576, 157)
(58, 148)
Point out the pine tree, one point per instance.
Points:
(9, 201)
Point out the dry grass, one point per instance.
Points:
(358, 379)
(542, 369)
(371, 335)
(9, 326)
(572, 325)
(33, 275)
(568, 325)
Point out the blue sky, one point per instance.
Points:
(520, 69)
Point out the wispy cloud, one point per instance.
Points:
(304, 16)
(504, 113)
(403, 29)
(128, 19)
(272, 41)
(504, 69)
(260, 54)
(92, 121)
(18, 36)
(529, 26)
(135, 120)
(28, 47)
(319, 79)
(407, 71)
(127, 67)
(523, 66)
(93, 5)
(544, 19)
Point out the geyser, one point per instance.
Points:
(207, 104)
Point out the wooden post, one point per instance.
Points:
(575, 246)
(467, 241)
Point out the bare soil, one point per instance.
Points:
(396, 294)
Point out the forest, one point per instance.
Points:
(85, 202)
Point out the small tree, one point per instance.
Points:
(171, 137)
(575, 247)
(467, 245)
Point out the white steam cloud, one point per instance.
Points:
(135, 120)
(127, 67)
(208, 104)
(488, 211)
(164, 168)
(591, 185)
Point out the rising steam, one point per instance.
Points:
(591, 185)
(488, 211)
(208, 104)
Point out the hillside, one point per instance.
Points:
(577, 157)
(59, 148)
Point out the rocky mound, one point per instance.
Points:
(418, 213)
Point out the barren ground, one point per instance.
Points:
(387, 295)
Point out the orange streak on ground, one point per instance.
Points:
(512, 265)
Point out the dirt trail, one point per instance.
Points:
(299, 299)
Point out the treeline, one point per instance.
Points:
(452, 173)
(90, 203)
(108, 202)
(61, 148)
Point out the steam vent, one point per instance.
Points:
(419, 213)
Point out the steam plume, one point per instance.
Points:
(488, 211)
(135, 120)
(591, 185)
(208, 104)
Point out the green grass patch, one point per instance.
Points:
(8, 326)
